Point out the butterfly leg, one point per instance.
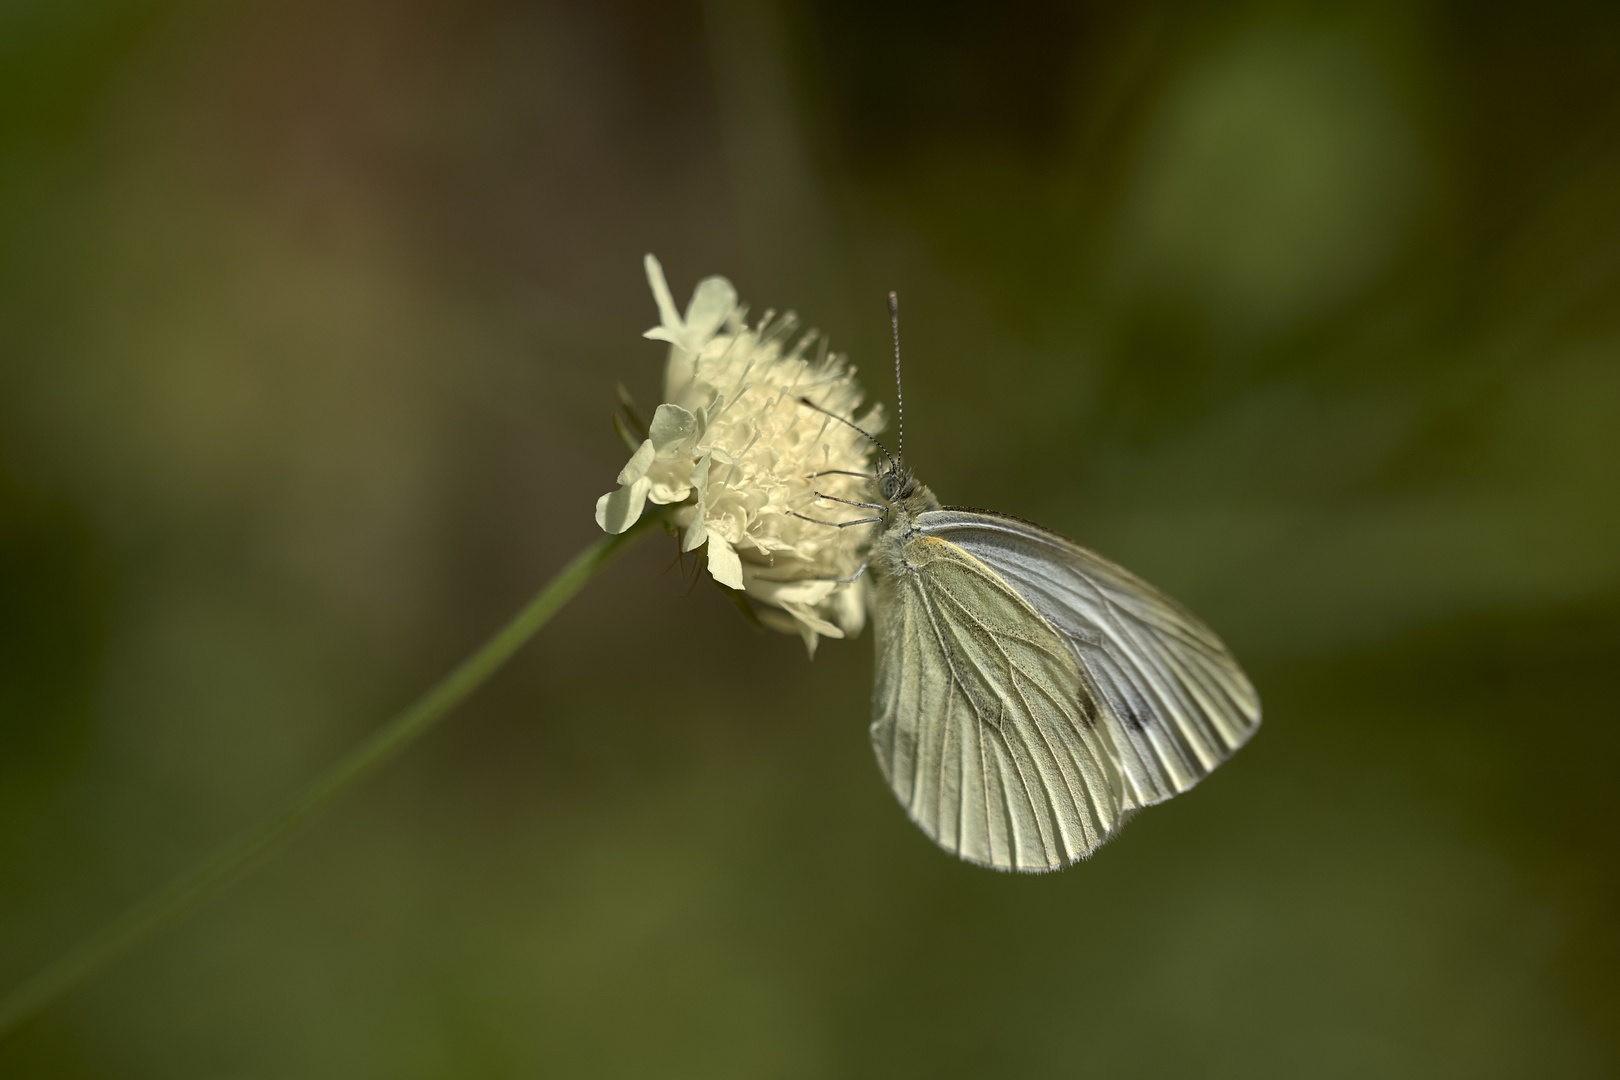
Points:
(856, 576)
(850, 502)
(841, 472)
(836, 524)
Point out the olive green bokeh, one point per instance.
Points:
(310, 317)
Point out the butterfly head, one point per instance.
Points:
(899, 487)
(896, 483)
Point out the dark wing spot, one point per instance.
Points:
(1135, 713)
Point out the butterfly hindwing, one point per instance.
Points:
(983, 721)
(1173, 700)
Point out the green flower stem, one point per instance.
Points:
(231, 861)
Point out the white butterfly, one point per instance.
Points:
(1031, 695)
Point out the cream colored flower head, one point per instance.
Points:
(742, 455)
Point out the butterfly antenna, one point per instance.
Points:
(849, 423)
(899, 402)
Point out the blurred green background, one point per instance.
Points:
(310, 315)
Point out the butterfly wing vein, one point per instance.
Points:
(1174, 701)
(987, 733)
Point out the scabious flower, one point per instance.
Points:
(741, 454)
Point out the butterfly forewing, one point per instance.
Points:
(984, 723)
(1172, 701)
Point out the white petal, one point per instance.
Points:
(618, 510)
(712, 300)
(808, 617)
(678, 372)
(778, 620)
(809, 591)
(700, 474)
(724, 565)
(673, 431)
(667, 315)
(695, 535)
(810, 639)
(849, 608)
(698, 530)
(711, 409)
(666, 491)
(639, 463)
